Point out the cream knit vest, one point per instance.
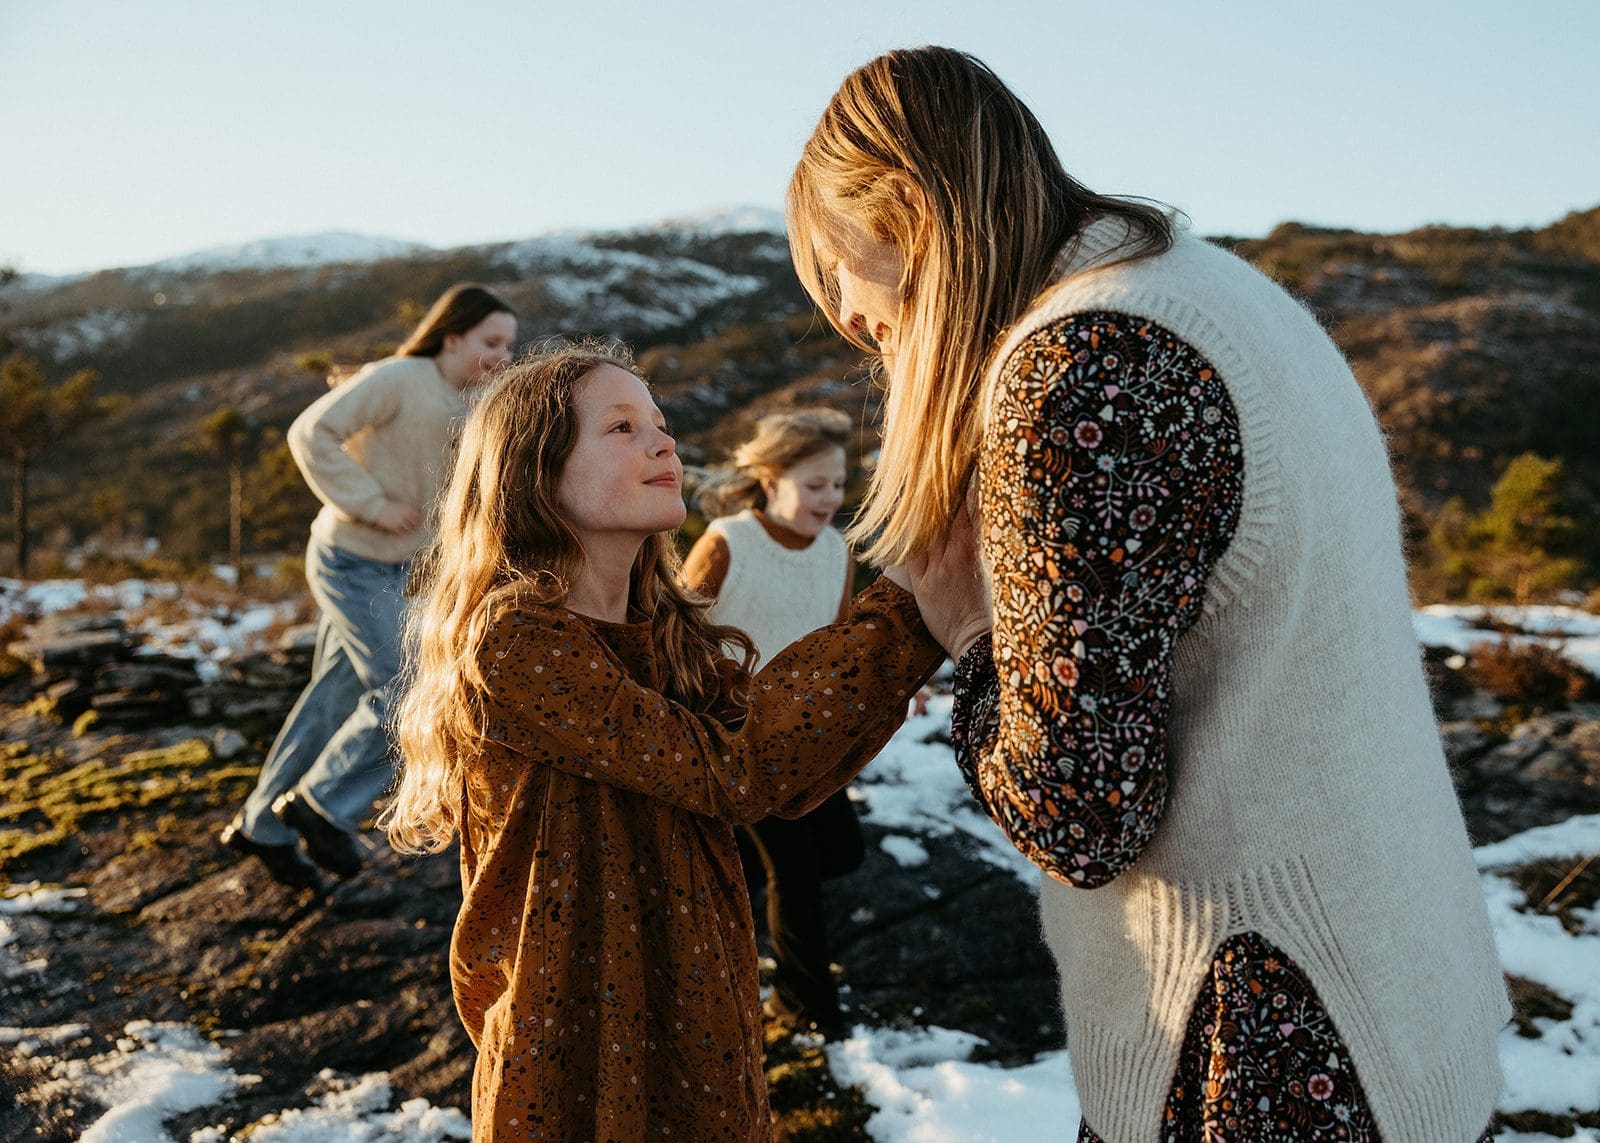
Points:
(776, 594)
(1309, 797)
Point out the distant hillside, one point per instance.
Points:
(1474, 345)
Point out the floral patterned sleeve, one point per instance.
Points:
(1112, 475)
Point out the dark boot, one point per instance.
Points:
(284, 862)
(329, 846)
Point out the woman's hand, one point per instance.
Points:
(948, 581)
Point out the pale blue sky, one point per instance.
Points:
(135, 131)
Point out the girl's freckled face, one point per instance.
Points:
(623, 475)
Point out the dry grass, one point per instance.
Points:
(1529, 674)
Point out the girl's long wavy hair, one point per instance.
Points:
(996, 211)
(781, 441)
(503, 543)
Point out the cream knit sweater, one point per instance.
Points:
(1310, 801)
(384, 435)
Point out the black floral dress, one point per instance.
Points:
(1113, 477)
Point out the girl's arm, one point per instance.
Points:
(818, 712)
(1112, 482)
(705, 568)
(317, 436)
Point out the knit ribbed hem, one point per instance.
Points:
(1123, 1089)
(1124, 1076)
(1115, 1080)
(1449, 1106)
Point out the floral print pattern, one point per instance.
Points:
(1262, 1061)
(604, 958)
(1111, 479)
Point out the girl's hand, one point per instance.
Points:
(397, 518)
(951, 589)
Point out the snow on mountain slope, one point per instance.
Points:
(294, 250)
(611, 286)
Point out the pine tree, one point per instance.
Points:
(1526, 542)
(226, 434)
(35, 415)
(277, 502)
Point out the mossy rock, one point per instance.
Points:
(808, 1104)
(44, 802)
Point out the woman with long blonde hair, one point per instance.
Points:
(571, 717)
(1201, 709)
(777, 569)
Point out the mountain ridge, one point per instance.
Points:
(1473, 346)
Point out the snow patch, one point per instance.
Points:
(927, 1091)
(186, 628)
(1575, 837)
(613, 287)
(907, 851)
(1575, 633)
(745, 219)
(155, 1072)
(354, 1112)
(323, 249)
(32, 897)
(83, 333)
(914, 788)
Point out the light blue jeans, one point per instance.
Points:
(334, 747)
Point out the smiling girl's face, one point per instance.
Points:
(623, 477)
(805, 497)
(468, 359)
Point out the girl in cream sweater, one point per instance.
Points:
(374, 450)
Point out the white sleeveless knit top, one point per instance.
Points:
(776, 594)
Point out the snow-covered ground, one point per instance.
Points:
(922, 1081)
(169, 621)
(1576, 633)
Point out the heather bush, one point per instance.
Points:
(1528, 673)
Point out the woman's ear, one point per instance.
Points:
(915, 199)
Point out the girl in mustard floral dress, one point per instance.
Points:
(570, 715)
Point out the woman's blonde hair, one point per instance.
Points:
(781, 441)
(503, 543)
(979, 241)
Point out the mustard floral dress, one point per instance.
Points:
(604, 959)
